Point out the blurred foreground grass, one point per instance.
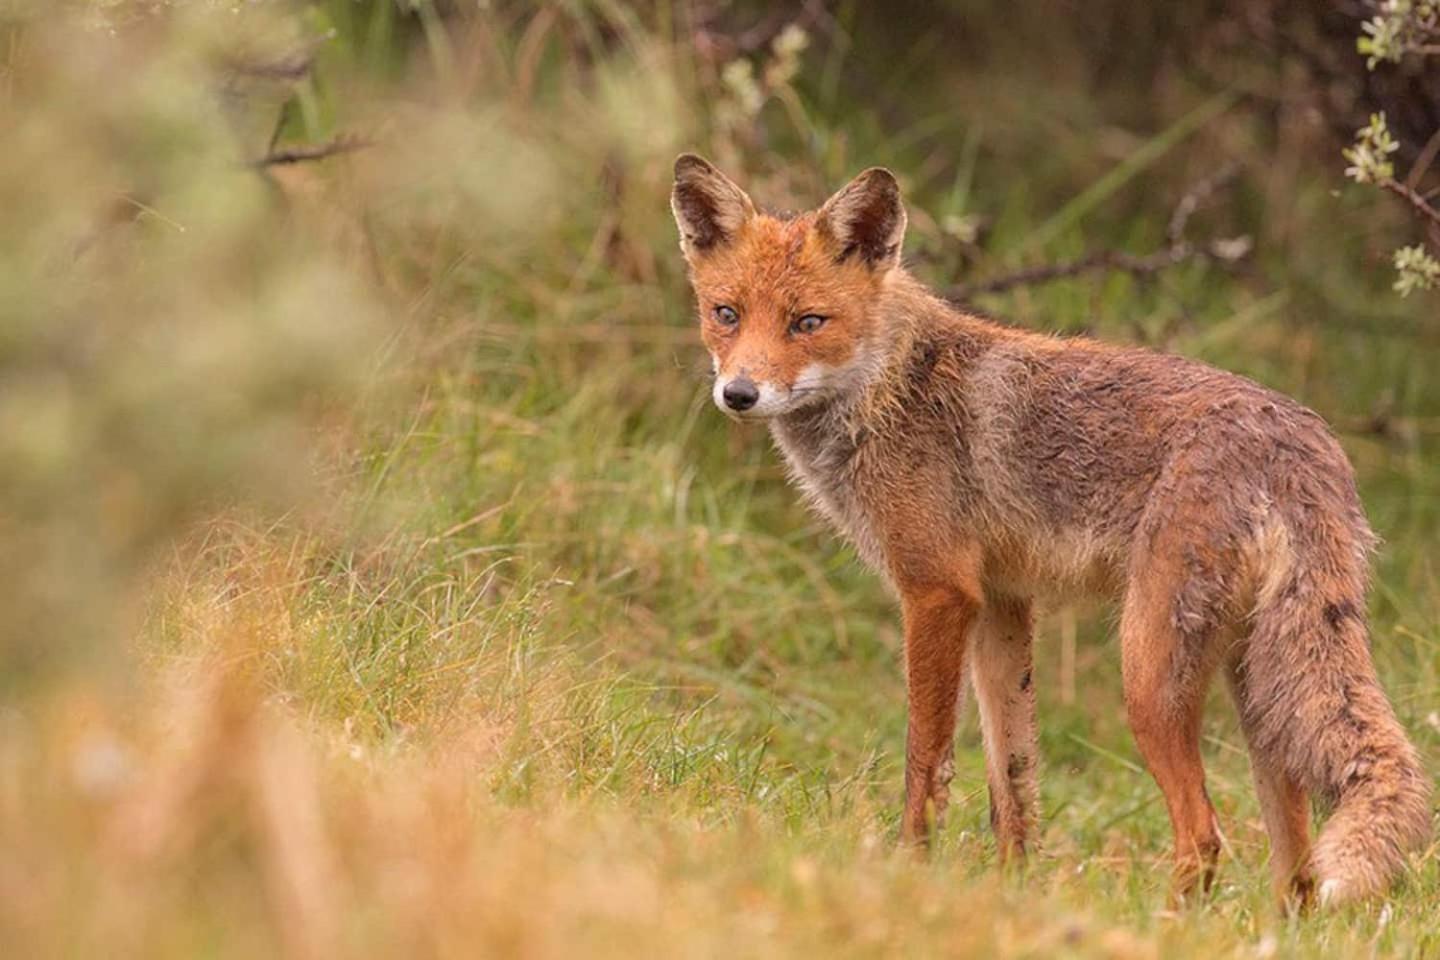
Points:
(381, 582)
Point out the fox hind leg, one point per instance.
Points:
(1284, 808)
(1165, 674)
(1001, 664)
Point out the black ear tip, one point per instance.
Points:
(688, 163)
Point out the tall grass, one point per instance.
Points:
(382, 583)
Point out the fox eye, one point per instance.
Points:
(726, 316)
(808, 323)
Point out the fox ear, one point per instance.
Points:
(866, 219)
(708, 207)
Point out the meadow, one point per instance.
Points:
(383, 582)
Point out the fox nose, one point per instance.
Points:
(741, 393)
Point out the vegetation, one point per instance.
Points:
(1400, 29)
(380, 580)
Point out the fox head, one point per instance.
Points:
(787, 306)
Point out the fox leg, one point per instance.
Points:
(1283, 806)
(1000, 665)
(937, 619)
(1165, 672)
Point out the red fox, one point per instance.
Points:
(981, 468)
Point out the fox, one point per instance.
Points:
(982, 469)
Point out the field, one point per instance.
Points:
(383, 581)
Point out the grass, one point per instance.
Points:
(545, 658)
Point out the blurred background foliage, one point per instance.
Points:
(378, 578)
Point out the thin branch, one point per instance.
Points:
(290, 68)
(1176, 250)
(303, 154)
(1227, 251)
(1413, 197)
(1422, 162)
(1192, 199)
(764, 33)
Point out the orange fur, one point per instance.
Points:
(795, 280)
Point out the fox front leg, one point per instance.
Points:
(937, 619)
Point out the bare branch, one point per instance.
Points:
(1413, 197)
(288, 67)
(1176, 250)
(1195, 197)
(346, 143)
(1229, 250)
(291, 68)
(1423, 162)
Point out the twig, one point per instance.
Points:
(1422, 162)
(1191, 200)
(764, 33)
(1229, 250)
(812, 15)
(291, 68)
(1176, 250)
(1411, 195)
(345, 143)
